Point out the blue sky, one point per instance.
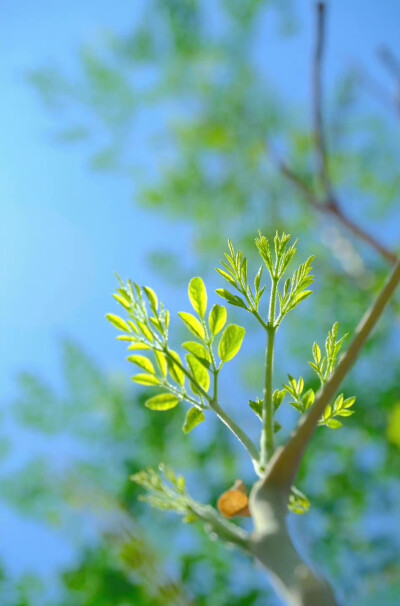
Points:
(64, 231)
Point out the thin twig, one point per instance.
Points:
(337, 212)
(330, 203)
(284, 466)
(319, 135)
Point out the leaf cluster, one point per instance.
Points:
(324, 366)
(277, 260)
(147, 330)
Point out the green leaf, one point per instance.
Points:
(152, 297)
(194, 417)
(308, 399)
(333, 424)
(144, 379)
(257, 406)
(231, 342)
(122, 301)
(393, 426)
(348, 402)
(298, 502)
(139, 346)
(163, 401)
(199, 372)
(175, 370)
(118, 322)
(217, 319)
(198, 350)
(257, 279)
(146, 332)
(162, 362)
(232, 299)
(300, 297)
(192, 324)
(316, 350)
(277, 398)
(143, 362)
(227, 277)
(198, 296)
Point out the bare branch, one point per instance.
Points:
(329, 204)
(284, 466)
(319, 134)
(336, 211)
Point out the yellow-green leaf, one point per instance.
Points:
(152, 297)
(217, 319)
(393, 429)
(298, 502)
(231, 342)
(193, 418)
(118, 322)
(175, 370)
(162, 362)
(198, 350)
(143, 362)
(122, 301)
(144, 379)
(198, 296)
(192, 324)
(163, 401)
(199, 372)
(139, 346)
(333, 424)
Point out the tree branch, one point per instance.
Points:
(319, 135)
(336, 211)
(329, 204)
(271, 543)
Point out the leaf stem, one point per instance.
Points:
(222, 415)
(236, 430)
(267, 436)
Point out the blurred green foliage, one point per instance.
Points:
(184, 107)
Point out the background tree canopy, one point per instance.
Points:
(194, 108)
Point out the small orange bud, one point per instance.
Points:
(234, 502)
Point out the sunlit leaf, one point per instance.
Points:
(199, 372)
(198, 296)
(217, 319)
(143, 362)
(192, 324)
(144, 379)
(118, 322)
(163, 401)
(175, 367)
(198, 350)
(194, 417)
(231, 342)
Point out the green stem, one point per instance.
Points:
(225, 418)
(259, 318)
(225, 530)
(267, 436)
(236, 430)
